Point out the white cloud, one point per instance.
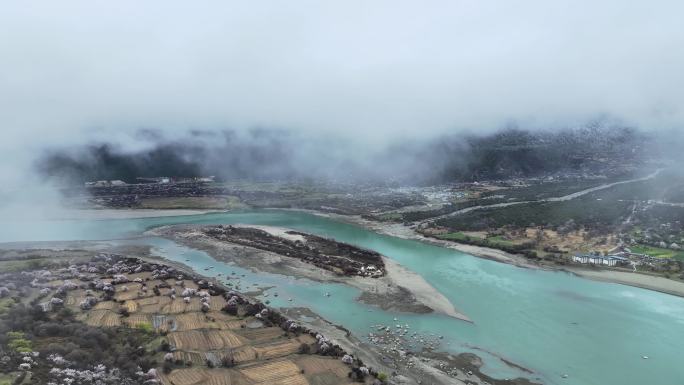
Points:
(71, 71)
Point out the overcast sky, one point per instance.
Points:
(71, 71)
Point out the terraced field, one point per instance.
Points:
(211, 346)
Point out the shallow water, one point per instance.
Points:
(551, 322)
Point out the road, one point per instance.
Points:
(553, 199)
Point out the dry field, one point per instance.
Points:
(270, 372)
(196, 376)
(199, 320)
(211, 339)
(261, 355)
(106, 318)
(572, 241)
(278, 349)
(313, 365)
(108, 305)
(262, 334)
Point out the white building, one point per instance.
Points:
(594, 259)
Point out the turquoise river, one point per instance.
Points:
(550, 322)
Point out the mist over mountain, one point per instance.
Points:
(282, 155)
(352, 91)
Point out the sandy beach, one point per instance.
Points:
(644, 281)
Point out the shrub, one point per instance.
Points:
(167, 367)
(228, 361)
(145, 326)
(18, 343)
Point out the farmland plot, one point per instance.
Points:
(127, 295)
(106, 318)
(261, 334)
(106, 305)
(317, 365)
(140, 318)
(179, 306)
(196, 376)
(278, 349)
(192, 321)
(205, 340)
(153, 304)
(271, 372)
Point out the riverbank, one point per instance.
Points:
(640, 280)
(198, 328)
(644, 281)
(399, 290)
(392, 361)
(401, 231)
(433, 367)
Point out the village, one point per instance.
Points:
(433, 210)
(194, 330)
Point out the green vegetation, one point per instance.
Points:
(414, 216)
(25, 328)
(496, 242)
(550, 189)
(668, 186)
(11, 266)
(588, 213)
(516, 194)
(657, 252)
(383, 376)
(5, 305)
(387, 217)
(145, 326)
(18, 343)
(10, 378)
(499, 240)
(458, 236)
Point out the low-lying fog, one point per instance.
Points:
(342, 91)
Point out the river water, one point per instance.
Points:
(550, 322)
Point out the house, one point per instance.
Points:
(596, 259)
(580, 258)
(105, 183)
(614, 260)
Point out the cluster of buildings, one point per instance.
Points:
(166, 179)
(597, 259)
(153, 180)
(105, 183)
